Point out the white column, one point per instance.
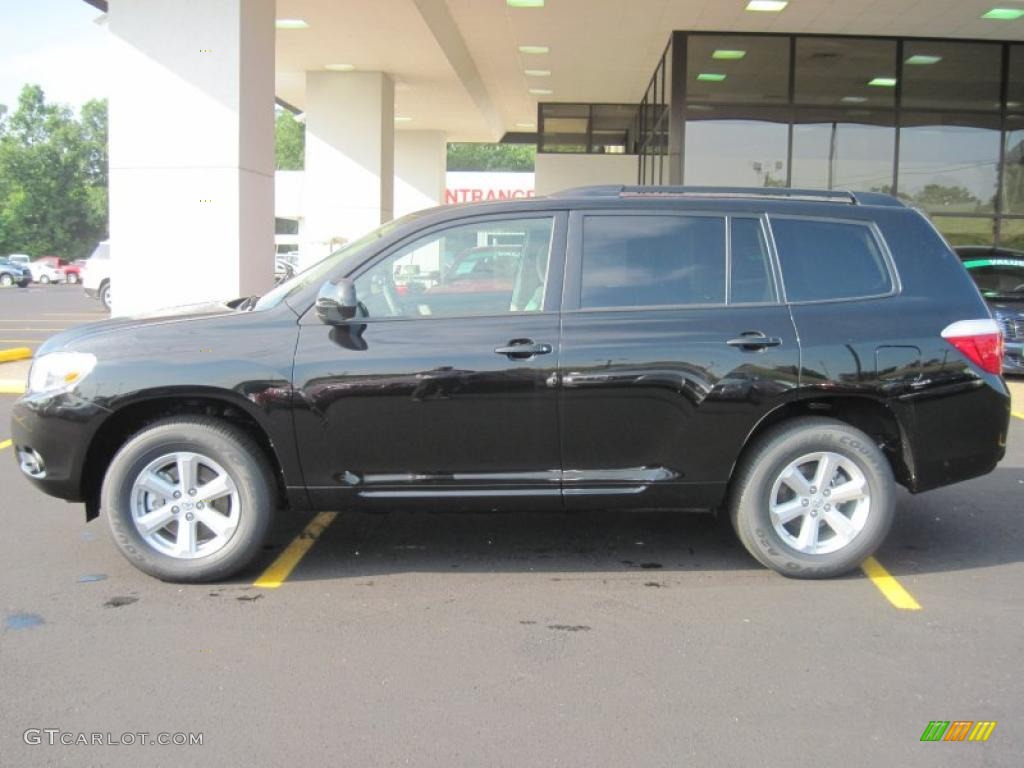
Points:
(421, 159)
(350, 154)
(191, 151)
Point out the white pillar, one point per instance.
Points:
(350, 154)
(421, 159)
(191, 151)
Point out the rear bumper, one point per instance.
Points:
(956, 432)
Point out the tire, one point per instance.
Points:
(44, 280)
(6, 280)
(761, 499)
(243, 515)
(71, 279)
(105, 294)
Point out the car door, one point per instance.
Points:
(674, 346)
(442, 389)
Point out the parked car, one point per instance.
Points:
(999, 275)
(785, 357)
(13, 273)
(96, 274)
(70, 270)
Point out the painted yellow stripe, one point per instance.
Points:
(5, 444)
(16, 353)
(12, 387)
(1018, 415)
(889, 586)
(281, 568)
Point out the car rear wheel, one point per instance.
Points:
(6, 280)
(813, 498)
(189, 499)
(72, 278)
(44, 280)
(105, 294)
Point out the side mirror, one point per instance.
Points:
(336, 303)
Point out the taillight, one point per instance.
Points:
(980, 341)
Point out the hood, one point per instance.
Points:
(183, 313)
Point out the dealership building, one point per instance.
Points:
(923, 99)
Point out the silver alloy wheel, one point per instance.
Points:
(819, 503)
(185, 505)
(6, 280)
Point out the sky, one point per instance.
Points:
(55, 44)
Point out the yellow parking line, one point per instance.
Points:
(15, 353)
(5, 444)
(12, 387)
(281, 568)
(888, 585)
(1018, 415)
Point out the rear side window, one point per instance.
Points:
(750, 280)
(635, 261)
(824, 260)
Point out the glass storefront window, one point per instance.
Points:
(837, 71)
(1015, 85)
(844, 150)
(563, 127)
(959, 230)
(731, 68)
(736, 146)
(1013, 170)
(948, 162)
(950, 75)
(1011, 234)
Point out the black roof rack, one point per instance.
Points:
(758, 193)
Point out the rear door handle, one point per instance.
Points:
(754, 340)
(523, 349)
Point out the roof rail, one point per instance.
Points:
(760, 193)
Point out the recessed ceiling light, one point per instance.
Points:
(854, 99)
(711, 77)
(883, 82)
(541, 91)
(768, 6)
(534, 50)
(1004, 14)
(340, 67)
(923, 59)
(528, 126)
(402, 119)
(524, 3)
(291, 24)
(724, 54)
(537, 72)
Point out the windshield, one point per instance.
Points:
(340, 262)
(998, 277)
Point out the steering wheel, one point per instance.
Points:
(387, 289)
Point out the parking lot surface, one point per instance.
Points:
(28, 316)
(590, 639)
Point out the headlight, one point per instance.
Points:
(59, 372)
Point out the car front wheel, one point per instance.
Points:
(189, 499)
(105, 294)
(6, 280)
(813, 498)
(44, 280)
(72, 278)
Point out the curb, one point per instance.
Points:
(16, 353)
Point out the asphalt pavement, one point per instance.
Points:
(589, 639)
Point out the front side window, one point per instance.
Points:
(650, 260)
(488, 267)
(823, 260)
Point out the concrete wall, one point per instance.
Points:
(555, 172)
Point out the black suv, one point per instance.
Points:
(785, 355)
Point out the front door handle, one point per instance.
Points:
(752, 341)
(523, 349)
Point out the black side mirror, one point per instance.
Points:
(336, 303)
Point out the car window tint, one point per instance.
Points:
(824, 260)
(488, 267)
(750, 268)
(632, 261)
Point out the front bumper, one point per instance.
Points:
(58, 430)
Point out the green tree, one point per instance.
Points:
(53, 177)
(491, 157)
(289, 142)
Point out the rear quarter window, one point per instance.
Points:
(827, 260)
